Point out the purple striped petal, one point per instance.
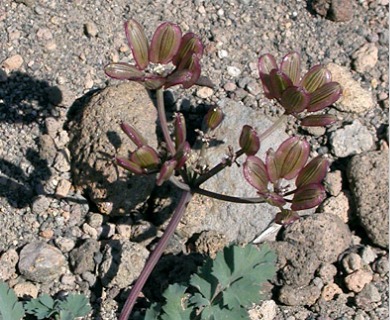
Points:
(308, 196)
(123, 71)
(255, 173)
(318, 120)
(324, 96)
(316, 77)
(165, 43)
(291, 66)
(314, 172)
(294, 100)
(138, 43)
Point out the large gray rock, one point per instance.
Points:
(41, 262)
(368, 176)
(235, 222)
(97, 138)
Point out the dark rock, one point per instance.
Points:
(370, 192)
(41, 262)
(340, 10)
(82, 258)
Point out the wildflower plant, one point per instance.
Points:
(286, 178)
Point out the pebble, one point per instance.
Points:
(68, 279)
(82, 258)
(40, 205)
(230, 86)
(64, 244)
(222, 54)
(341, 10)
(352, 262)
(266, 311)
(381, 265)
(333, 182)
(63, 188)
(124, 231)
(338, 206)
(367, 297)
(44, 34)
(357, 280)
(46, 233)
(204, 92)
(62, 139)
(365, 58)
(368, 255)
(233, 71)
(41, 262)
(352, 139)
(8, 261)
(13, 63)
(26, 289)
(62, 161)
(253, 87)
(89, 277)
(91, 29)
(88, 230)
(52, 126)
(355, 99)
(95, 220)
(327, 272)
(330, 291)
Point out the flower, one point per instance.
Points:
(170, 59)
(313, 92)
(285, 164)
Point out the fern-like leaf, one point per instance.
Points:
(76, 304)
(42, 307)
(176, 303)
(10, 307)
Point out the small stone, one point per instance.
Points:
(340, 10)
(62, 161)
(68, 279)
(88, 230)
(355, 99)
(82, 258)
(88, 81)
(352, 139)
(367, 297)
(204, 92)
(368, 255)
(222, 54)
(62, 139)
(52, 126)
(44, 34)
(95, 220)
(357, 280)
(124, 231)
(352, 262)
(63, 188)
(41, 262)
(89, 277)
(330, 291)
(333, 182)
(51, 45)
(301, 296)
(13, 63)
(233, 71)
(8, 261)
(91, 29)
(230, 86)
(338, 206)
(315, 131)
(28, 3)
(266, 311)
(365, 58)
(64, 244)
(381, 265)
(46, 233)
(327, 272)
(253, 87)
(40, 205)
(26, 289)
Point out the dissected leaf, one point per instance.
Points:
(153, 312)
(176, 306)
(78, 304)
(10, 307)
(41, 307)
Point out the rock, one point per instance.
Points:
(237, 222)
(370, 192)
(209, 243)
(91, 29)
(8, 262)
(321, 7)
(233, 71)
(62, 161)
(122, 263)
(352, 262)
(265, 311)
(253, 87)
(89, 231)
(327, 272)
(13, 63)
(355, 99)
(63, 188)
(333, 182)
(367, 297)
(365, 58)
(64, 244)
(204, 92)
(339, 206)
(299, 296)
(309, 243)
(124, 231)
(97, 138)
(340, 10)
(368, 255)
(381, 265)
(47, 150)
(352, 139)
(95, 220)
(26, 289)
(357, 280)
(82, 258)
(230, 86)
(40, 205)
(41, 262)
(330, 291)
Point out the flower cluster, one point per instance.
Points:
(286, 164)
(170, 59)
(311, 93)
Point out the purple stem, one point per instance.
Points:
(163, 121)
(155, 256)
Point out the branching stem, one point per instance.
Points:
(273, 127)
(163, 121)
(224, 197)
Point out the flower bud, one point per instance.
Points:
(133, 134)
(180, 129)
(123, 71)
(165, 43)
(213, 118)
(166, 171)
(255, 173)
(318, 120)
(286, 217)
(146, 157)
(249, 140)
(190, 44)
(314, 172)
(129, 165)
(308, 196)
(182, 154)
(291, 66)
(138, 43)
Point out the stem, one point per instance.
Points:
(272, 128)
(224, 197)
(163, 121)
(155, 256)
(219, 167)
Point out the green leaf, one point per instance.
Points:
(77, 304)
(205, 284)
(10, 307)
(216, 313)
(176, 306)
(198, 301)
(42, 307)
(153, 312)
(66, 315)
